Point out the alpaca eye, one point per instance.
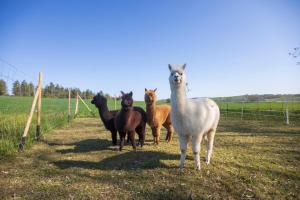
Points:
(180, 74)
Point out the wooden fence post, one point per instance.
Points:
(226, 110)
(38, 125)
(76, 107)
(242, 111)
(22, 142)
(287, 113)
(69, 106)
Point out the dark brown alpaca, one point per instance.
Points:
(106, 116)
(130, 120)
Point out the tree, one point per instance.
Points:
(3, 88)
(16, 88)
(295, 53)
(31, 89)
(24, 88)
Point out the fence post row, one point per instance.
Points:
(69, 106)
(36, 97)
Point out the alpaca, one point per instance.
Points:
(130, 120)
(191, 118)
(106, 116)
(158, 116)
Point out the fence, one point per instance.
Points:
(276, 110)
(24, 119)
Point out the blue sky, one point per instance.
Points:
(230, 47)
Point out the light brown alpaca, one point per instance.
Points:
(158, 116)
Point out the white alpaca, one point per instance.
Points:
(195, 118)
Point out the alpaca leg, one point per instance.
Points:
(141, 133)
(170, 131)
(131, 136)
(122, 139)
(128, 139)
(158, 134)
(183, 146)
(114, 137)
(210, 138)
(154, 133)
(196, 141)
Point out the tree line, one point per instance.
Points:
(51, 90)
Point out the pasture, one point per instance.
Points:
(14, 112)
(254, 158)
(77, 162)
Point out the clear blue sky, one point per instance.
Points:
(230, 47)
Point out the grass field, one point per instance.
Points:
(14, 112)
(250, 161)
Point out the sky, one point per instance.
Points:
(231, 47)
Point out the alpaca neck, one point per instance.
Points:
(178, 97)
(151, 111)
(104, 113)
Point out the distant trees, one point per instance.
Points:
(16, 90)
(23, 88)
(3, 88)
(51, 90)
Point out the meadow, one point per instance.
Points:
(254, 158)
(14, 112)
(251, 160)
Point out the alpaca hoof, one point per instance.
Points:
(181, 166)
(207, 162)
(198, 168)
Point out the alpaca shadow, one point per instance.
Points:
(86, 146)
(128, 161)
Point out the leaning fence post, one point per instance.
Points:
(85, 104)
(287, 113)
(69, 106)
(38, 126)
(76, 107)
(22, 142)
(242, 111)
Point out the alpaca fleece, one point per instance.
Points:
(158, 116)
(192, 118)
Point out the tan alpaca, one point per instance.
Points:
(158, 116)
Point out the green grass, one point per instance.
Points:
(14, 112)
(251, 160)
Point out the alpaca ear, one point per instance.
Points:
(122, 93)
(146, 90)
(170, 67)
(183, 66)
(131, 93)
(155, 89)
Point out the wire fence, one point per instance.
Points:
(283, 111)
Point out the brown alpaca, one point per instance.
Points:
(158, 116)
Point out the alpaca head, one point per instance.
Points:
(150, 96)
(99, 100)
(177, 75)
(127, 100)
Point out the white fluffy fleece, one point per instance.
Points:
(191, 118)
